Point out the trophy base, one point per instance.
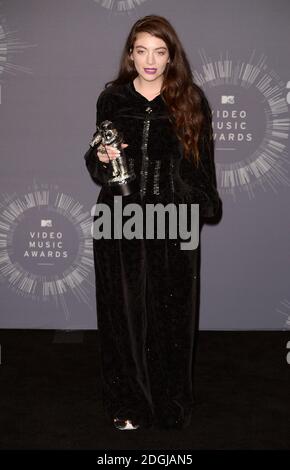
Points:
(124, 189)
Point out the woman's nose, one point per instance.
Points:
(150, 60)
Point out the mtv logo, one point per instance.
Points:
(227, 99)
(46, 223)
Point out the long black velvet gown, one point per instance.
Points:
(147, 289)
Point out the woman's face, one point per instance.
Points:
(150, 55)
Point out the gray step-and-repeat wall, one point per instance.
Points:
(55, 56)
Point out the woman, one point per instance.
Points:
(147, 289)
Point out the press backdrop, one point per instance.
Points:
(55, 57)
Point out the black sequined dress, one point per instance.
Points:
(147, 289)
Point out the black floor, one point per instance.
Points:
(50, 394)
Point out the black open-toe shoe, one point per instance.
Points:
(125, 424)
(173, 416)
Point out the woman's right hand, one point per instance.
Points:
(110, 152)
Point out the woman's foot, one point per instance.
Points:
(173, 416)
(125, 424)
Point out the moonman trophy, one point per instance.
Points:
(122, 181)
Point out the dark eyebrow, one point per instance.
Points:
(162, 47)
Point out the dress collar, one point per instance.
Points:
(138, 95)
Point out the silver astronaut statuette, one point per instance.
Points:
(122, 180)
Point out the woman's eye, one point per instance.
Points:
(160, 52)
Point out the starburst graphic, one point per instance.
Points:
(284, 309)
(10, 45)
(46, 247)
(250, 123)
(120, 5)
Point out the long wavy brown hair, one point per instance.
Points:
(183, 97)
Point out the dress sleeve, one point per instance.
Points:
(202, 179)
(99, 170)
